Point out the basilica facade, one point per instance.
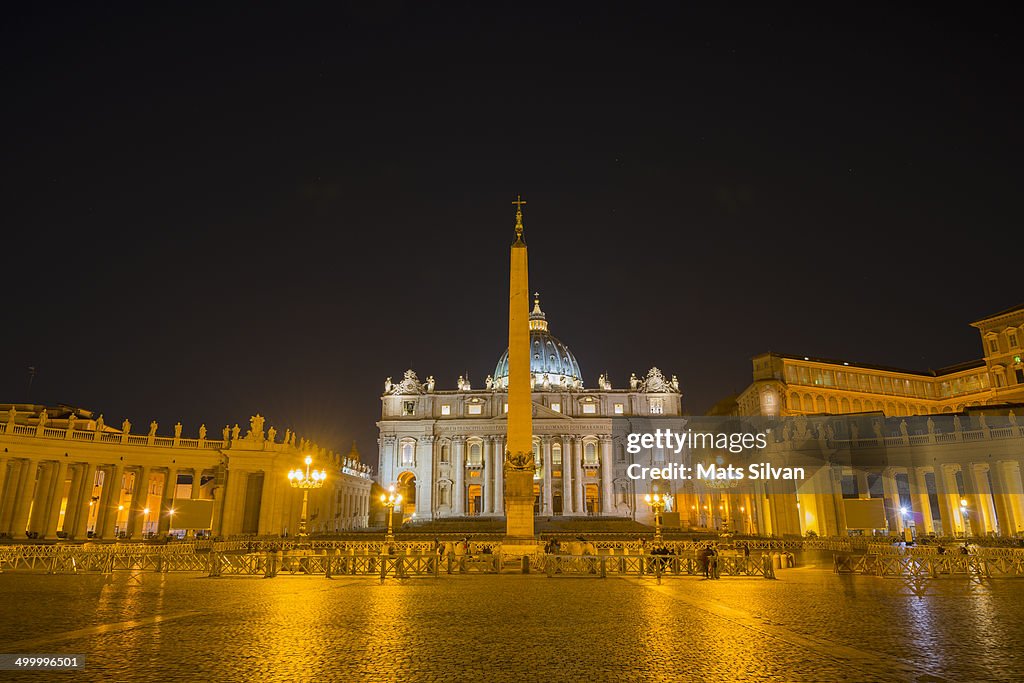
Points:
(443, 448)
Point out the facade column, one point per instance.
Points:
(489, 473)
(545, 445)
(112, 498)
(56, 498)
(167, 500)
(607, 495)
(499, 475)
(567, 507)
(23, 498)
(140, 494)
(84, 509)
(920, 499)
(577, 475)
(459, 463)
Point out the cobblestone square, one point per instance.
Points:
(810, 625)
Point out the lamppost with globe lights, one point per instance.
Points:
(658, 501)
(966, 517)
(306, 480)
(389, 501)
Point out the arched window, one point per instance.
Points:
(475, 458)
(794, 402)
(408, 454)
(444, 453)
(590, 454)
(556, 454)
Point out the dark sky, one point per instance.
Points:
(211, 212)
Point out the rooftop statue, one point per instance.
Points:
(152, 428)
(126, 426)
(177, 430)
(202, 431)
(410, 384)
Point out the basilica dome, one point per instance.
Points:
(551, 361)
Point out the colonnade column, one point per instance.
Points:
(140, 494)
(40, 498)
(975, 491)
(567, 507)
(545, 445)
(5, 465)
(167, 500)
(948, 511)
(74, 504)
(26, 484)
(88, 483)
(890, 490)
(459, 463)
(56, 498)
(1013, 495)
(490, 472)
(111, 499)
(499, 475)
(920, 500)
(1002, 502)
(606, 475)
(197, 483)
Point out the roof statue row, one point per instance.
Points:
(70, 426)
(653, 383)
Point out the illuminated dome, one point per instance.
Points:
(552, 364)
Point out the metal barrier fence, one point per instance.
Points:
(928, 566)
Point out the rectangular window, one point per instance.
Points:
(475, 409)
(589, 409)
(619, 409)
(993, 346)
(657, 407)
(1012, 337)
(557, 407)
(409, 408)
(446, 409)
(1020, 375)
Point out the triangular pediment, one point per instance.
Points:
(543, 411)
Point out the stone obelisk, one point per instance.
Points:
(519, 466)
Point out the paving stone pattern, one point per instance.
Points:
(810, 625)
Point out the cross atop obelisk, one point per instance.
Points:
(519, 466)
(519, 203)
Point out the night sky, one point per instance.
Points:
(209, 213)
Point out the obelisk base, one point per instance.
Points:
(519, 506)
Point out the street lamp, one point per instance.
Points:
(306, 480)
(389, 501)
(657, 503)
(967, 520)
